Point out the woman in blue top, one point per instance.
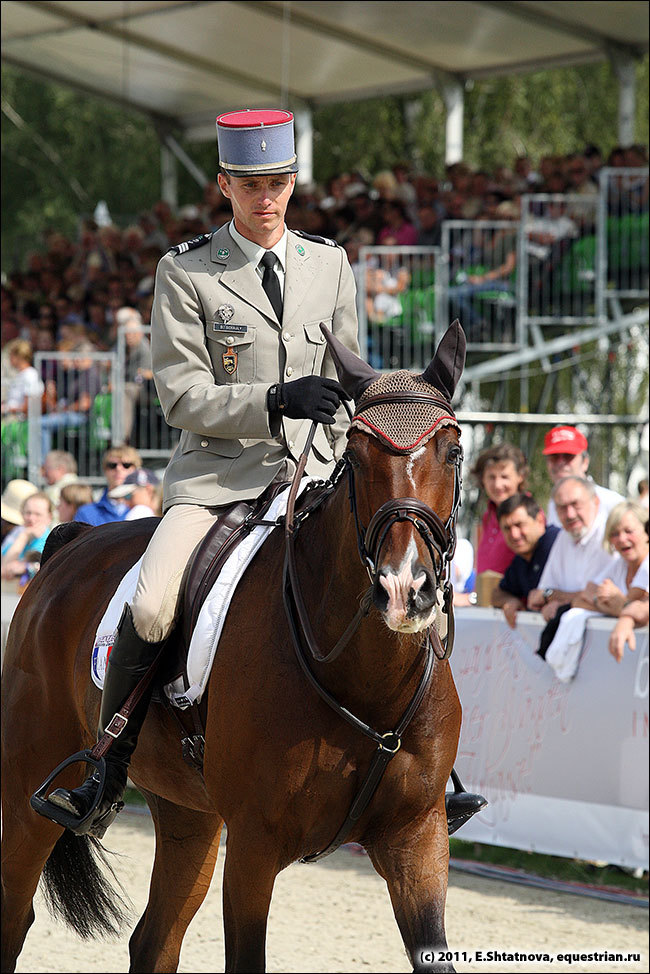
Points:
(30, 538)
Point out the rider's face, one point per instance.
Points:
(259, 204)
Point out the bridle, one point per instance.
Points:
(438, 536)
(440, 540)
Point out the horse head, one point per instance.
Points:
(404, 459)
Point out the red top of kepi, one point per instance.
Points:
(253, 119)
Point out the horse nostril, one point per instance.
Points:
(423, 595)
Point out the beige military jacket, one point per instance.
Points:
(217, 347)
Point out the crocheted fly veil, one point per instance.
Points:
(424, 401)
(415, 421)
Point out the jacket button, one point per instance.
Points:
(289, 371)
(287, 337)
(204, 443)
(230, 340)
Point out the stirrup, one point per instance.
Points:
(473, 802)
(87, 824)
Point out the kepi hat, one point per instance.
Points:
(256, 143)
(13, 497)
(565, 439)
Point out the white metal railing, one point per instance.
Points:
(139, 418)
(478, 281)
(557, 258)
(622, 235)
(572, 252)
(76, 412)
(397, 305)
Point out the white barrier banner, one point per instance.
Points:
(564, 766)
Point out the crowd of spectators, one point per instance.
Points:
(70, 292)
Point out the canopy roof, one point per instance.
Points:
(183, 61)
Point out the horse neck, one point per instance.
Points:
(377, 669)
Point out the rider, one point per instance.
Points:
(241, 367)
(240, 364)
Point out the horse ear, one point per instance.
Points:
(354, 374)
(446, 367)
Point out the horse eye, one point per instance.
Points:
(455, 454)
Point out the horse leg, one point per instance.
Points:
(249, 875)
(187, 843)
(27, 841)
(414, 861)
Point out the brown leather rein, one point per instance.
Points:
(440, 540)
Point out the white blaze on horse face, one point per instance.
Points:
(401, 585)
(409, 465)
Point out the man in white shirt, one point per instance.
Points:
(566, 452)
(578, 553)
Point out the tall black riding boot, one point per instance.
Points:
(129, 660)
(460, 805)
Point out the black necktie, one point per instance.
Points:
(271, 284)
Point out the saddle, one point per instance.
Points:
(202, 571)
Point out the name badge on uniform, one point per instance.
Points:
(229, 362)
(237, 329)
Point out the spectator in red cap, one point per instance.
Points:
(567, 455)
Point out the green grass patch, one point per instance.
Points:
(133, 797)
(549, 867)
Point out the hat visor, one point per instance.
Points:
(121, 491)
(11, 515)
(570, 448)
(245, 173)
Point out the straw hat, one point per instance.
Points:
(14, 495)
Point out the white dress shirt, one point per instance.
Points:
(254, 253)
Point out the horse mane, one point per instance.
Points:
(61, 535)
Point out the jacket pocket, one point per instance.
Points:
(212, 444)
(234, 356)
(315, 345)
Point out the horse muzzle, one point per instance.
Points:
(406, 598)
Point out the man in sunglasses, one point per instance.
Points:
(119, 462)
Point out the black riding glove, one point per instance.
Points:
(311, 397)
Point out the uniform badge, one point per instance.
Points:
(300, 249)
(223, 252)
(225, 312)
(229, 362)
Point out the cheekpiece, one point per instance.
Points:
(407, 425)
(256, 143)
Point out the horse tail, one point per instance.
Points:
(61, 535)
(76, 890)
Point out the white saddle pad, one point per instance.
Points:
(211, 619)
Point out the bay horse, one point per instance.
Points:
(282, 765)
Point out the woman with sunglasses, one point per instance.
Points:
(119, 462)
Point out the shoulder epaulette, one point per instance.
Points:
(316, 239)
(182, 248)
